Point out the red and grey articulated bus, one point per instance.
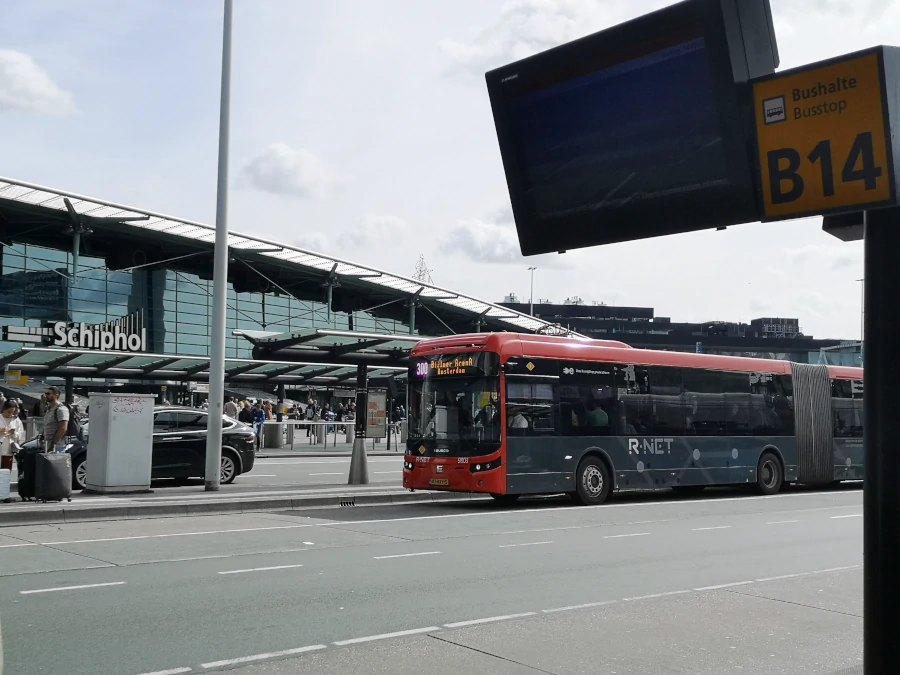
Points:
(510, 414)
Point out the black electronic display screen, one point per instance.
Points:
(632, 132)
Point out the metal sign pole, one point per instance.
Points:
(220, 274)
(881, 497)
(359, 469)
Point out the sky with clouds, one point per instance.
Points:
(362, 129)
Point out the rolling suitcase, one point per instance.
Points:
(25, 463)
(53, 477)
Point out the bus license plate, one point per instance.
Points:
(439, 481)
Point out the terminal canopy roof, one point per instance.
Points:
(332, 345)
(38, 215)
(52, 362)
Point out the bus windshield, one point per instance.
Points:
(455, 400)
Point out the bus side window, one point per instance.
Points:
(665, 402)
(846, 408)
(530, 408)
(738, 404)
(783, 403)
(705, 401)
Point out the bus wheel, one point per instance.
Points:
(592, 482)
(504, 499)
(768, 474)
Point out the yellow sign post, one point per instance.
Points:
(823, 138)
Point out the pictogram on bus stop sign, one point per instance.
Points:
(823, 138)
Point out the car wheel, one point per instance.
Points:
(228, 471)
(79, 474)
(592, 482)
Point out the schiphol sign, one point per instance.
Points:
(127, 334)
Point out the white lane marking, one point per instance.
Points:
(656, 595)
(837, 569)
(224, 555)
(489, 619)
(806, 574)
(73, 588)
(18, 545)
(404, 555)
(584, 606)
(717, 527)
(548, 529)
(718, 586)
(619, 536)
(851, 515)
(261, 569)
(261, 657)
(782, 576)
(174, 534)
(530, 543)
(782, 522)
(385, 636)
(170, 671)
(308, 543)
(339, 473)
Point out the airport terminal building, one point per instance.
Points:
(101, 295)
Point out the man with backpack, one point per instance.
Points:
(58, 423)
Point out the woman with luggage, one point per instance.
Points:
(12, 433)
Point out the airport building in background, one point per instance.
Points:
(102, 296)
(767, 337)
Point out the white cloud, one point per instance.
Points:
(483, 242)
(836, 257)
(279, 169)
(526, 27)
(375, 229)
(26, 87)
(486, 242)
(313, 241)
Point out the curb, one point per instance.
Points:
(80, 514)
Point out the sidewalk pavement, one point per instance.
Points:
(174, 502)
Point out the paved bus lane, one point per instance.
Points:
(323, 580)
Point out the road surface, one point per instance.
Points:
(445, 588)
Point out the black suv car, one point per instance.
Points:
(179, 447)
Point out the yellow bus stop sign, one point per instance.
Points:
(823, 138)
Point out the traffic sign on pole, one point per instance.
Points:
(823, 135)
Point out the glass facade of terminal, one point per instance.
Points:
(36, 287)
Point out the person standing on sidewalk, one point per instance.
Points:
(56, 422)
(259, 418)
(231, 408)
(246, 414)
(12, 433)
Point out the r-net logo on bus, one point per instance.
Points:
(650, 446)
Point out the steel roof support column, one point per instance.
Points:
(220, 274)
(328, 292)
(359, 466)
(70, 389)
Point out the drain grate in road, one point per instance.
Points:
(348, 502)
